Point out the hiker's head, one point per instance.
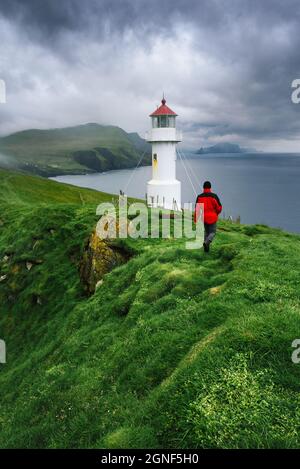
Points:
(206, 185)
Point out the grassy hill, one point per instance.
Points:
(175, 349)
(73, 150)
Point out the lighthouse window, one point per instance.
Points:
(163, 121)
(154, 122)
(171, 121)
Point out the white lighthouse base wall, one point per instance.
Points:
(165, 194)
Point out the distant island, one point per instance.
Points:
(224, 148)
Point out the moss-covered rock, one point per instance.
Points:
(98, 259)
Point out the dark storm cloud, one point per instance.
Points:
(54, 16)
(227, 66)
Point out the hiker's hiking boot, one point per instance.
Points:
(206, 247)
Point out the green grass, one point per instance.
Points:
(16, 188)
(176, 348)
(73, 150)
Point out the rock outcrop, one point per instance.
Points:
(98, 259)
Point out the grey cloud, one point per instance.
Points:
(226, 67)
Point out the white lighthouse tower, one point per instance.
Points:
(163, 190)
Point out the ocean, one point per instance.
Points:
(258, 187)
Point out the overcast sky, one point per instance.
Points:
(226, 67)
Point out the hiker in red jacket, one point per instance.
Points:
(212, 208)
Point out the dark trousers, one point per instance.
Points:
(209, 232)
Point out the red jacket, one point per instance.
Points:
(212, 206)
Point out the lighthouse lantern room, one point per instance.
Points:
(164, 190)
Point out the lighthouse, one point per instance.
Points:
(164, 190)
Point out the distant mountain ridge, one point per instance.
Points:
(224, 148)
(80, 149)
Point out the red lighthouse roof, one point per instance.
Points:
(163, 110)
